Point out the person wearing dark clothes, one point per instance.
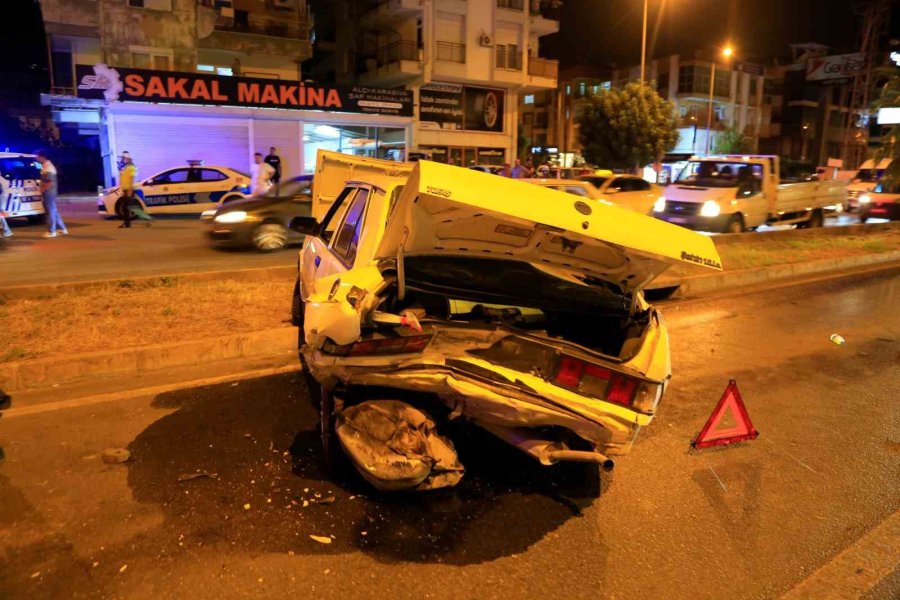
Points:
(274, 161)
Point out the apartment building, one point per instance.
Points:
(466, 64)
(212, 80)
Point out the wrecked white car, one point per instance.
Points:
(518, 307)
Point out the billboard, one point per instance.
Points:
(457, 107)
(143, 85)
(839, 66)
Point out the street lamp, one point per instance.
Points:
(644, 45)
(727, 51)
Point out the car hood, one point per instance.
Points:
(452, 211)
(687, 193)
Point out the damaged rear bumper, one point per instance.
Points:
(513, 411)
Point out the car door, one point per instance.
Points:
(208, 187)
(316, 248)
(166, 192)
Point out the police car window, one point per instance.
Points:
(347, 241)
(14, 169)
(212, 175)
(175, 176)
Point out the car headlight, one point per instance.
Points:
(710, 209)
(865, 199)
(660, 204)
(235, 216)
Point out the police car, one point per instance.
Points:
(20, 186)
(183, 190)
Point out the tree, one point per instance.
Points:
(732, 141)
(626, 128)
(522, 141)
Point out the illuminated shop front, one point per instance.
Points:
(165, 118)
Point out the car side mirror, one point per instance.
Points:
(304, 225)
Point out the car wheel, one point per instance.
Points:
(269, 236)
(37, 219)
(331, 446)
(817, 219)
(297, 313)
(228, 199)
(735, 224)
(863, 218)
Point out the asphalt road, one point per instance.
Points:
(98, 249)
(746, 521)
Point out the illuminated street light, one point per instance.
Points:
(727, 52)
(644, 45)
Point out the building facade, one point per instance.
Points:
(467, 64)
(211, 80)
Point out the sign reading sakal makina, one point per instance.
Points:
(101, 82)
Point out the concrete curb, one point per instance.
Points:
(858, 229)
(251, 274)
(54, 371)
(704, 284)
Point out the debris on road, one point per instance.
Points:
(837, 339)
(198, 475)
(321, 539)
(247, 506)
(113, 456)
(122, 569)
(326, 500)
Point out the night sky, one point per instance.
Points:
(609, 31)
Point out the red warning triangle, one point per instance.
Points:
(728, 423)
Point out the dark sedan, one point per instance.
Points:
(263, 221)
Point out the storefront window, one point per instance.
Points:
(359, 140)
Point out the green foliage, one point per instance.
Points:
(628, 127)
(523, 142)
(732, 141)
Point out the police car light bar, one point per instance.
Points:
(196, 163)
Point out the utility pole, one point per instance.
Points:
(875, 14)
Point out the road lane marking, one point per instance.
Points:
(146, 391)
(857, 569)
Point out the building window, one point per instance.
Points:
(151, 58)
(595, 89)
(582, 89)
(151, 4)
(568, 90)
(509, 57)
(529, 99)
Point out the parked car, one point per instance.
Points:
(624, 191)
(184, 190)
(731, 194)
(263, 221)
(865, 181)
(881, 203)
(520, 312)
(20, 192)
(492, 169)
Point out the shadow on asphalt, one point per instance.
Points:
(258, 441)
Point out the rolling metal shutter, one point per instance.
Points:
(157, 143)
(285, 136)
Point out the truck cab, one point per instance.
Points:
(731, 194)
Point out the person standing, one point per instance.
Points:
(49, 190)
(132, 207)
(5, 231)
(274, 161)
(261, 173)
(505, 171)
(518, 171)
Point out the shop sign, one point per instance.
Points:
(142, 85)
(457, 107)
(839, 66)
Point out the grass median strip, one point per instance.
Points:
(125, 314)
(770, 252)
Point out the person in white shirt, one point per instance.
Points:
(261, 174)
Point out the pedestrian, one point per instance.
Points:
(5, 231)
(132, 208)
(49, 190)
(518, 171)
(505, 171)
(274, 161)
(261, 174)
(529, 168)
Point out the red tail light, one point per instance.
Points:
(596, 381)
(379, 346)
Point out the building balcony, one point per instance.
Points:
(544, 16)
(260, 35)
(384, 13)
(394, 64)
(542, 74)
(511, 4)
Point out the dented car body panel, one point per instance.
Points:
(522, 312)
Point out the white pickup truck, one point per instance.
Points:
(731, 194)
